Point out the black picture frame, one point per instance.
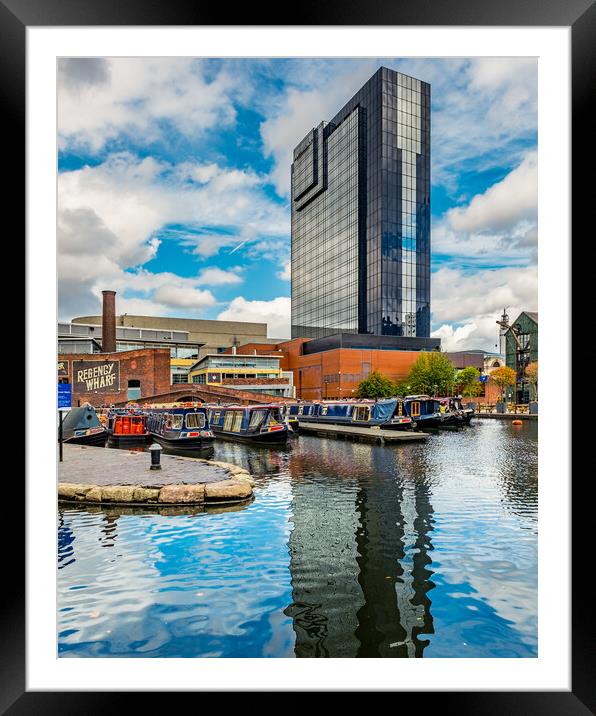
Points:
(580, 15)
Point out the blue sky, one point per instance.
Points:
(174, 179)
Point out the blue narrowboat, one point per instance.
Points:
(424, 411)
(81, 426)
(254, 424)
(180, 427)
(386, 413)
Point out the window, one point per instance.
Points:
(323, 410)
(177, 421)
(256, 418)
(134, 389)
(362, 413)
(195, 420)
(415, 410)
(179, 377)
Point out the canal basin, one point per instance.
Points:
(349, 549)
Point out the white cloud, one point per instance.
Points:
(504, 204)
(109, 215)
(275, 313)
(465, 306)
(183, 297)
(286, 273)
(214, 276)
(101, 100)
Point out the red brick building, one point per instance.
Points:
(105, 378)
(336, 373)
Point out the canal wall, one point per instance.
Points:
(99, 476)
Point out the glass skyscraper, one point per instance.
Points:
(361, 215)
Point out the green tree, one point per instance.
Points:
(531, 373)
(376, 385)
(432, 372)
(502, 377)
(467, 381)
(402, 388)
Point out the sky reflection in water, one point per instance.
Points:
(348, 550)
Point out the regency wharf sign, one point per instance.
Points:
(94, 376)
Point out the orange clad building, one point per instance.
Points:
(337, 371)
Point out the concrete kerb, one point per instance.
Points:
(234, 490)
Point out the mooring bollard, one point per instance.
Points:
(155, 451)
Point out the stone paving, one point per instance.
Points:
(107, 467)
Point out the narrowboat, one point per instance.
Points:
(290, 420)
(127, 427)
(423, 410)
(387, 413)
(254, 424)
(81, 426)
(180, 428)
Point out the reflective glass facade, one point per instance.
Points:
(361, 215)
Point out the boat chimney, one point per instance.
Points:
(108, 322)
(233, 350)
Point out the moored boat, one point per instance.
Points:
(254, 424)
(180, 427)
(423, 410)
(466, 413)
(127, 427)
(452, 417)
(81, 426)
(386, 413)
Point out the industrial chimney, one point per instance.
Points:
(108, 322)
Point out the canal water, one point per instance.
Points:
(349, 550)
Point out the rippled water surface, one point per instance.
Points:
(349, 549)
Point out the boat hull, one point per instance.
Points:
(276, 437)
(95, 439)
(355, 423)
(115, 440)
(184, 444)
(423, 423)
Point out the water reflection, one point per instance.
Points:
(360, 568)
(349, 550)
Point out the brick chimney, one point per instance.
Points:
(108, 322)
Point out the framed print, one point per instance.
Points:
(321, 259)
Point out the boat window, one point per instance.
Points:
(415, 408)
(195, 420)
(300, 409)
(236, 421)
(323, 410)
(177, 421)
(256, 418)
(362, 412)
(228, 419)
(215, 418)
(400, 408)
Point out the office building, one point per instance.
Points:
(361, 216)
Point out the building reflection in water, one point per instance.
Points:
(66, 540)
(359, 554)
(108, 529)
